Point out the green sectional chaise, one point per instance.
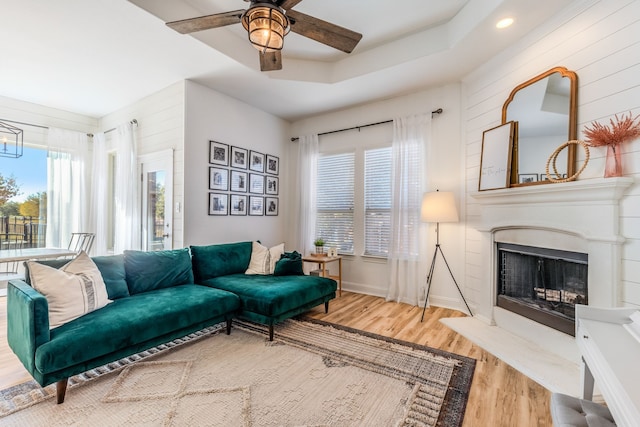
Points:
(265, 299)
(156, 299)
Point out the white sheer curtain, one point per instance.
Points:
(410, 141)
(306, 191)
(126, 191)
(99, 208)
(68, 162)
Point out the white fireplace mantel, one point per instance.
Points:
(580, 216)
(587, 209)
(589, 190)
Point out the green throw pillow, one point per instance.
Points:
(290, 264)
(148, 271)
(220, 260)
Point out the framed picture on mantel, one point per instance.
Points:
(495, 161)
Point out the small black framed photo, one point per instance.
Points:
(256, 183)
(271, 206)
(273, 164)
(544, 177)
(239, 157)
(238, 204)
(238, 181)
(256, 205)
(271, 185)
(218, 203)
(218, 179)
(256, 161)
(218, 153)
(525, 178)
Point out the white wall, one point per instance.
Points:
(213, 116)
(160, 127)
(444, 171)
(599, 40)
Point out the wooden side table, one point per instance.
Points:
(322, 261)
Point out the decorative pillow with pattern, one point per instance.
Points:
(77, 288)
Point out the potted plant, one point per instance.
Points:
(319, 244)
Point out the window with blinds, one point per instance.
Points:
(377, 201)
(334, 222)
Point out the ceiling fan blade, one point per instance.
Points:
(192, 25)
(270, 61)
(324, 32)
(288, 4)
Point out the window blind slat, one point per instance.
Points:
(335, 201)
(377, 195)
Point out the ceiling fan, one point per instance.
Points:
(267, 22)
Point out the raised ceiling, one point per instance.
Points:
(96, 56)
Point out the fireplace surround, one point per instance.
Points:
(579, 216)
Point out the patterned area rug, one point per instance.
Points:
(312, 374)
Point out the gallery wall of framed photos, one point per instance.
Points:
(242, 181)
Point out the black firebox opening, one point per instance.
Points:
(542, 284)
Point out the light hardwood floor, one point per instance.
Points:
(500, 395)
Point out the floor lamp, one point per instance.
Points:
(439, 206)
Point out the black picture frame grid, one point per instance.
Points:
(252, 181)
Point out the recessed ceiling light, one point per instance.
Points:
(504, 23)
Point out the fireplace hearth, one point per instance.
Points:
(542, 284)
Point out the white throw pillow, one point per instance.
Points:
(274, 256)
(259, 263)
(75, 289)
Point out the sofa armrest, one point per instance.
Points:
(27, 321)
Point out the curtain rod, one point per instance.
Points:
(438, 111)
(133, 122)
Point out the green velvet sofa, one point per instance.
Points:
(157, 297)
(264, 299)
(155, 300)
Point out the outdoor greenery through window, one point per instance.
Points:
(334, 222)
(377, 201)
(23, 199)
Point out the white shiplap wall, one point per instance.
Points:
(43, 117)
(600, 40)
(161, 119)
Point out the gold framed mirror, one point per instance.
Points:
(545, 111)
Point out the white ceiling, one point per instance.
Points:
(95, 56)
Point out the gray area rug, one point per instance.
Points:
(312, 374)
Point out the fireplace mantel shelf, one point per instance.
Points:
(591, 190)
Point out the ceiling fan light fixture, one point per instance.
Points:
(266, 25)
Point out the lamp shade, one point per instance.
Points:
(439, 206)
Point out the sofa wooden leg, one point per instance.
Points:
(229, 326)
(270, 332)
(326, 307)
(61, 390)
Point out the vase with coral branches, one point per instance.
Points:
(622, 130)
(613, 161)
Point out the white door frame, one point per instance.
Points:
(160, 160)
